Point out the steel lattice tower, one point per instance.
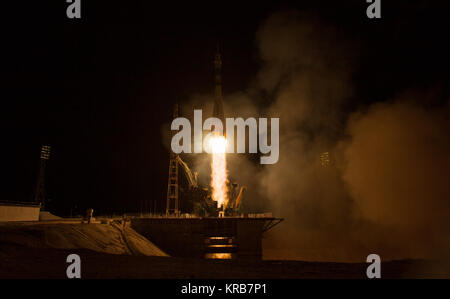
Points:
(39, 195)
(172, 204)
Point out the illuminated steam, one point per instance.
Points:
(385, 189)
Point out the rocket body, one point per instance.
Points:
(218, 98)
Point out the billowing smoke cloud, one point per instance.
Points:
(396, 170)
(384, 189)
(310, 85)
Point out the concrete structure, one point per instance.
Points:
(12, 211)
(228, 237)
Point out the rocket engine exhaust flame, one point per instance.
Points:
(219, 174)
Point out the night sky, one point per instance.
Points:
(99, 89)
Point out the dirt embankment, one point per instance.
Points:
(111, 238)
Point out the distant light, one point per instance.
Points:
(325, 159)
(45, 152)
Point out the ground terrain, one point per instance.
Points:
(112, 251)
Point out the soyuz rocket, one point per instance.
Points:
(218, 99)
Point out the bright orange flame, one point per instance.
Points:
(219, 256)
(219, 173)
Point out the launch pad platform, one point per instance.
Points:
(211, 237)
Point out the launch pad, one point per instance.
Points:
(210, 237)
(229, 236)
